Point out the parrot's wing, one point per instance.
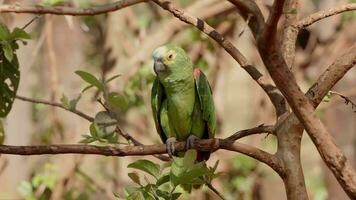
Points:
(157, 97)
(206, 101)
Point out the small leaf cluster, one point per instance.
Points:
(103, 129)
(169, 181)
(40, 185)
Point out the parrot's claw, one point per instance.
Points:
(191, 142)
(170, 142)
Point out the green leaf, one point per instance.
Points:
(19, 33)
(105, 123)
(188, 177)
(113, 78)
(73, 102)
(87, 139)
(8, 52)
(146, 166)
(65, 101)
(117, 101)
(189, 158)
(91, 79)
(92, 130)
(162, 180)
(134, 177)
(25, 189)
(9, 82)
(4, 32)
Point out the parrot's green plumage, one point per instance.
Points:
(182, 102)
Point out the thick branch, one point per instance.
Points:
(304, 110)
(59, 105)
(62, 10)
(324, 14)
(290, 33)
(272, 91)
(270, 30)
(331, 76)
(205, 145)
(248, 8)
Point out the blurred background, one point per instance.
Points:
(122, 43)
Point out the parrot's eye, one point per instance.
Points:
(170, 56)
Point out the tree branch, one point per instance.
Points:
(272, 91)
(257, 130)
(204, 145)
(290, 33)
(248, 8)
(315, 17)
(55, 104)
(304, 110)
(270, 30)
(331, 76)
(62, 10)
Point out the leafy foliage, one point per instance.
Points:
(9, 66)
(45, 179)
(184, 173)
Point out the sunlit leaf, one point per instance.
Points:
(162, 180)
(8, 52)
(19, 33)
(91, 79)
(146, 166)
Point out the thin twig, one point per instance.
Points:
(324, 14)
(212, 188)
(346, 99)
(31, 21)
(64, 10)
(55, 104)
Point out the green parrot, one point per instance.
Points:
(182, 103)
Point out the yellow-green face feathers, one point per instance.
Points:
(171, 61)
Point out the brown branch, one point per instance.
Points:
(248, 8)
(55, 104)
(345, 98)
(204, 145)
(331, 76)
(270, 30)
(315, 17)
(63, 10)
(290, 33)
(257, 130)
(272, 91)
(304, 110)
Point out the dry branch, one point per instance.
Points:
(248, 8)
(324, 14)
(205, 145)
(55, 104)
(63, 10)
(331, 76)
(303, 109)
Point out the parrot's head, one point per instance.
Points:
(171, 63)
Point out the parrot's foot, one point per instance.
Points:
(190, 142)
(170, 142)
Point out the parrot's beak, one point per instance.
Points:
(158, 66)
